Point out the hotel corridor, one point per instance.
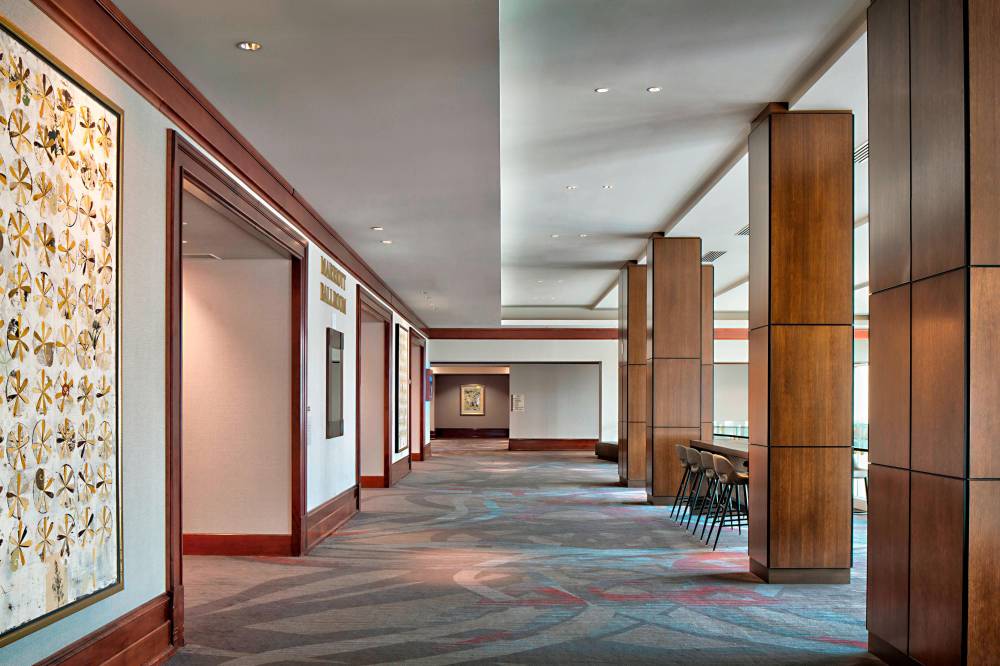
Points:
(487, 556)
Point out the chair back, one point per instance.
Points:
(682, 454)
(724, 468)
(706, 463)
(693, 459)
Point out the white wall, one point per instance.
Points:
(512, 351)
(731, 392)
(141, 313)
(237, 382)
(561, 400)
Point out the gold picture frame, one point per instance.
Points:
(472, 400)
(85, 192)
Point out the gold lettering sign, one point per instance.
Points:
(332, 298)
(331, 273)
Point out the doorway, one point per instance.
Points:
(373, 431)
(235, 374)
(419, 446)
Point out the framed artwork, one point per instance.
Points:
(60, 473)
(472, 400)
(402, 388)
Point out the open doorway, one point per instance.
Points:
(419, 447)
(235, 372)
(373, 431)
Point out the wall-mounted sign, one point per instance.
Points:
(331, 273)
(517, 402)
(332, 298)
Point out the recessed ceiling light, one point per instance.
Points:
(584, 235)
(249, 45)
(601, 90)
(607, 187)
(387, 242)
(571, 187)
(378, 228)
(184, 242)
(654, 89)
(555, 235)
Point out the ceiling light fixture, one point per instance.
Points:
(539, 281)
(601, 90)
(378, 228)
(555, 235)
(654, 89)
(571, 187)
(386, 242)
(249, 45)
(184, 242)
(584, 235)
(607, 187)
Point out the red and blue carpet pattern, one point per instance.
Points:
(487, 556)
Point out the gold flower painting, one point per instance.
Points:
(59, 473)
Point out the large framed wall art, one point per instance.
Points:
(402, 388)
(60, 205)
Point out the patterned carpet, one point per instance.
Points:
(491, 557)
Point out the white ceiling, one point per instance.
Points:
(398, 112)
(380, 112)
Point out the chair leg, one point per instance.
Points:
(713, 492)
(680, 487)
(725, 510)
(693, 498)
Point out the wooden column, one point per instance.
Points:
(707, 351)
(673, 359)
(934, 531)
(632, 375)
(801, 330)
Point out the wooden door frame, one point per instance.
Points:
(187, 163)
(418, 342)
(371, 305)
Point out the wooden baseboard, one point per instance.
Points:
(472, 433)
(329, 516)
(238, 544)
(552, 444)
(141, 636)
(417, 456)
(373, 482)
(398, 470)
(607, 451)
(777, 576)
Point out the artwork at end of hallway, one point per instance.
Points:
(402, 388)
(60, 157)
(472, 400)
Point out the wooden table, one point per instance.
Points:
(731, 448)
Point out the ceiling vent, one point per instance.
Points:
(861, 154)
(711, 256)
(203, 255)
(745, 231)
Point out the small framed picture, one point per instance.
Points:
(472, 400)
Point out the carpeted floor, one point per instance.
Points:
(486, 556)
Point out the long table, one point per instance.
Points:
(731, 448)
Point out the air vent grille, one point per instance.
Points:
(745, 231)
(861, 154)
(711, 256)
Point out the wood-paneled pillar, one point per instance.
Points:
(632, 375)
(673, 359)
(934, 531)
(801, 332)
(707, 351)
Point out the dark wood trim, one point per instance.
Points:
(607, 451)
(330, 516)
(373, 482)
(522, 333)
(101, 28)
(552, 444)
(398, 470)
(374, 307)
(472, 433)
(888, 652)
(776, 576)
(277, 545)
(141, 636)
(187, 163)
(418, 344)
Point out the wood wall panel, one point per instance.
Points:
(759, 535)
(984, 372)
(636, 462)
(760, 224)
(636, 394)
(707, 314)
(810, 495)
(677, 393)
(636, 314)
(936, 568)
(810, 385)
(984, 130)
(758, 385)
(889, 378)
(889, 143)
(812, 223)
(938, 135)
(889, 555)
(676, 297)
(984, 575)
(938, 425)
(667, 470)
